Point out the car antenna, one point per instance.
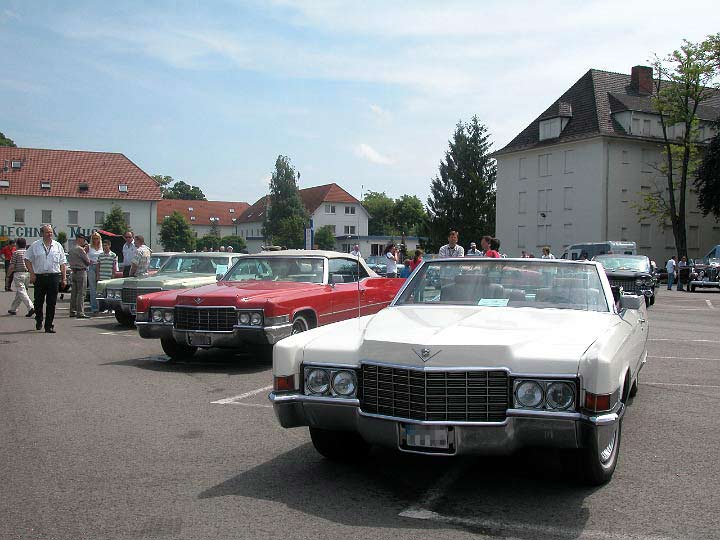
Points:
(357, 262)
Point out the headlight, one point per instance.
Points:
(157, 315)
(244, 318)
(168, 316)
(560, 396)
(256, 319)
(317, 381)
(529, 394)
(343, 383)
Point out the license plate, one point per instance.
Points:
(199, 340)
(433, 437)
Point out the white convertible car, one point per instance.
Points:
(474, 356)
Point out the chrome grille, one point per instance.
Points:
(205, 319)
(129, 296)
(463, 396)
(628, 285)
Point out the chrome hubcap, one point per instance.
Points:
(298, 326)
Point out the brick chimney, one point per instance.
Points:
(641, 80)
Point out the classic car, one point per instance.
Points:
(705, 273)
(179, 271)
(631, 272)
(262, 299)
(468, 366)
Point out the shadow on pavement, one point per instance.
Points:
(202, 362)
(487, 492)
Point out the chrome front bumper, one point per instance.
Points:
(520, 429)
(150, 330)
(266, 335)
(711, 284)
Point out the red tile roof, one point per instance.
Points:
(312, 198)
(202, 211)
(66, 170)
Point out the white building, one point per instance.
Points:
(576, 172)
(327, 205)
(203, 214)
(72, 191)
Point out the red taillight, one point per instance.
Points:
(597, 402)
(284, 384)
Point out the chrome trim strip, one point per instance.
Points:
(213, 307)
(433, 368)
(364, 306)
(287, 398)
(206, 331)
(430, 422)
(330, 366)
(546, 413)
(153, 322)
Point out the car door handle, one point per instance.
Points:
(642, 321)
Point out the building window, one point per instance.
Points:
(635, 129)
(623, 195)
(522, 168)
(232, 210)
(522, 202)
(625, 160)
(46, 216)
(648, 161)
(99, 217)
(192, 218)
(567, 234)
(126, 216)
(350, 210)
(693, 237)
(19, 215)
(543, 235)
(623, 234)
(522, 236)
(647, 128)
(349, 229)
(346, 248)
(333, 228)
(567, 198)
(544, 165)
(72, 217)
(544, 200)
(645, 236)
(329, 208)
(569, 161)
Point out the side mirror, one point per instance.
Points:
(631, 302)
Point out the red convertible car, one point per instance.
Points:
(262, 299)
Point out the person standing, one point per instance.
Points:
(7, 253)
(416, 260)
(473, 251)
(406, 271)
(79, 263)
(494, 246)
(20, 279)
(94, 252)
(46, 262)
(230, 249)
(141, 262)
(128, 252)
(452, 248)
(546, 253)
(682, 271)
(356, 251)
(391, 260)
(671, 266)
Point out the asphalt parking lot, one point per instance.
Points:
(101, 438)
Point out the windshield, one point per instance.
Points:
(195, 264)
(615, 263)
(156, 261)
(485, 282)
(300, 269)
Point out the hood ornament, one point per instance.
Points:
(198, 300)
(425, 354)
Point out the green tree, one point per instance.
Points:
(5, 141)
(176, 233)
(62, 238)
(286, 218)
(381, 209)
(115, 221)
(237, 242)
(707, 182)
(325, 237)
(682, 85)
(178, 189)
(409, 214)
(214, 228)
(212, 243)
(462, 197)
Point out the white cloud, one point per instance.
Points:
(378, 110)
(367, 152)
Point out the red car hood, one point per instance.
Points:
(233, 293)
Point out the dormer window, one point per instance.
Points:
(16, 164)
(190, 208)
(83, 187)
(4, 183)
(232, 210)
(123, 188)
(551, 128)
(45, 184)
(192, 218)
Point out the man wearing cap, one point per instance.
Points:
(473, 251)
(45, 260)
(79, 262)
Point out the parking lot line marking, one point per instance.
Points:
(686, 340)
(251, 393)
(682, 384)
(683, 357)
(118, 333)
(710, 304)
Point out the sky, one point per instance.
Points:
(365, 94)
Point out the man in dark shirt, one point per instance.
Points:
(79, 262)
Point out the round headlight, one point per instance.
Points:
(118, 294)
(168, 316)
(244, 318)
(344, 383)
(255, 319)
(529, 394)
(157, 315)
(560, 396)
(318, 381)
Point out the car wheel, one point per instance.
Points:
(597, 465)
(124, 319)
(300, 324)
(692, 288)
(175, 350)
(339, 445)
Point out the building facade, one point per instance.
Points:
(202, 215)
(72, 191)
(578, 172)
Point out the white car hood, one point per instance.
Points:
(524, 340)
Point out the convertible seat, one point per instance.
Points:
(470, 288)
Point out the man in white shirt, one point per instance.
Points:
(356, 251)
(46, 262)
(129, 251)
(452, 248)
(473, 251)
(671, 266)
